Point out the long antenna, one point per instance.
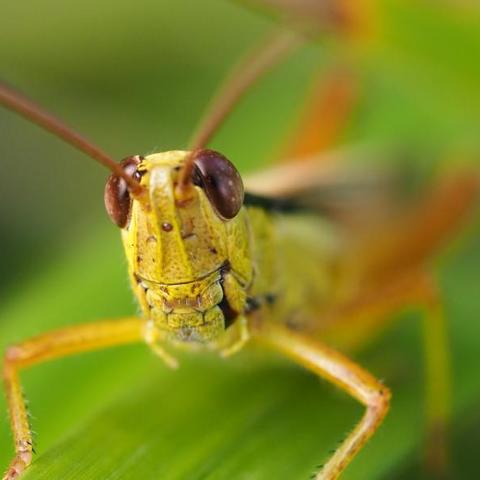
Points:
(247, 71)
(16, 102)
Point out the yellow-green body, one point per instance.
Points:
(184, 261)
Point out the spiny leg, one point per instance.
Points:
(341, 371)
(409, 240)
(45, 347)
(357, 322)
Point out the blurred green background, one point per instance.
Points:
(135, 77)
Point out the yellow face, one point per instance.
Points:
(189, 266)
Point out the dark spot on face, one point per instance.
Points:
(213, 250)
(167, 227)
(137, 278)
(139, 259)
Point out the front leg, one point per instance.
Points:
(341, 371)
(52, 345)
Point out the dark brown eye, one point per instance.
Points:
(117, 197)
(220, 180)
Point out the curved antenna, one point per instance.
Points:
(16, 102)
(247, 71)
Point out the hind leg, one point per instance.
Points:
(351, 325)
(329, 108)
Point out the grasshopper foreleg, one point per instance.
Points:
(52, 345)
(341, 371)
(359, 321)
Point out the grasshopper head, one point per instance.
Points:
(189, 258)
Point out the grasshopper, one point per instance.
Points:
(215, 265)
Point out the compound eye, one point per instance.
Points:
(221, 182)
(117, 197)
